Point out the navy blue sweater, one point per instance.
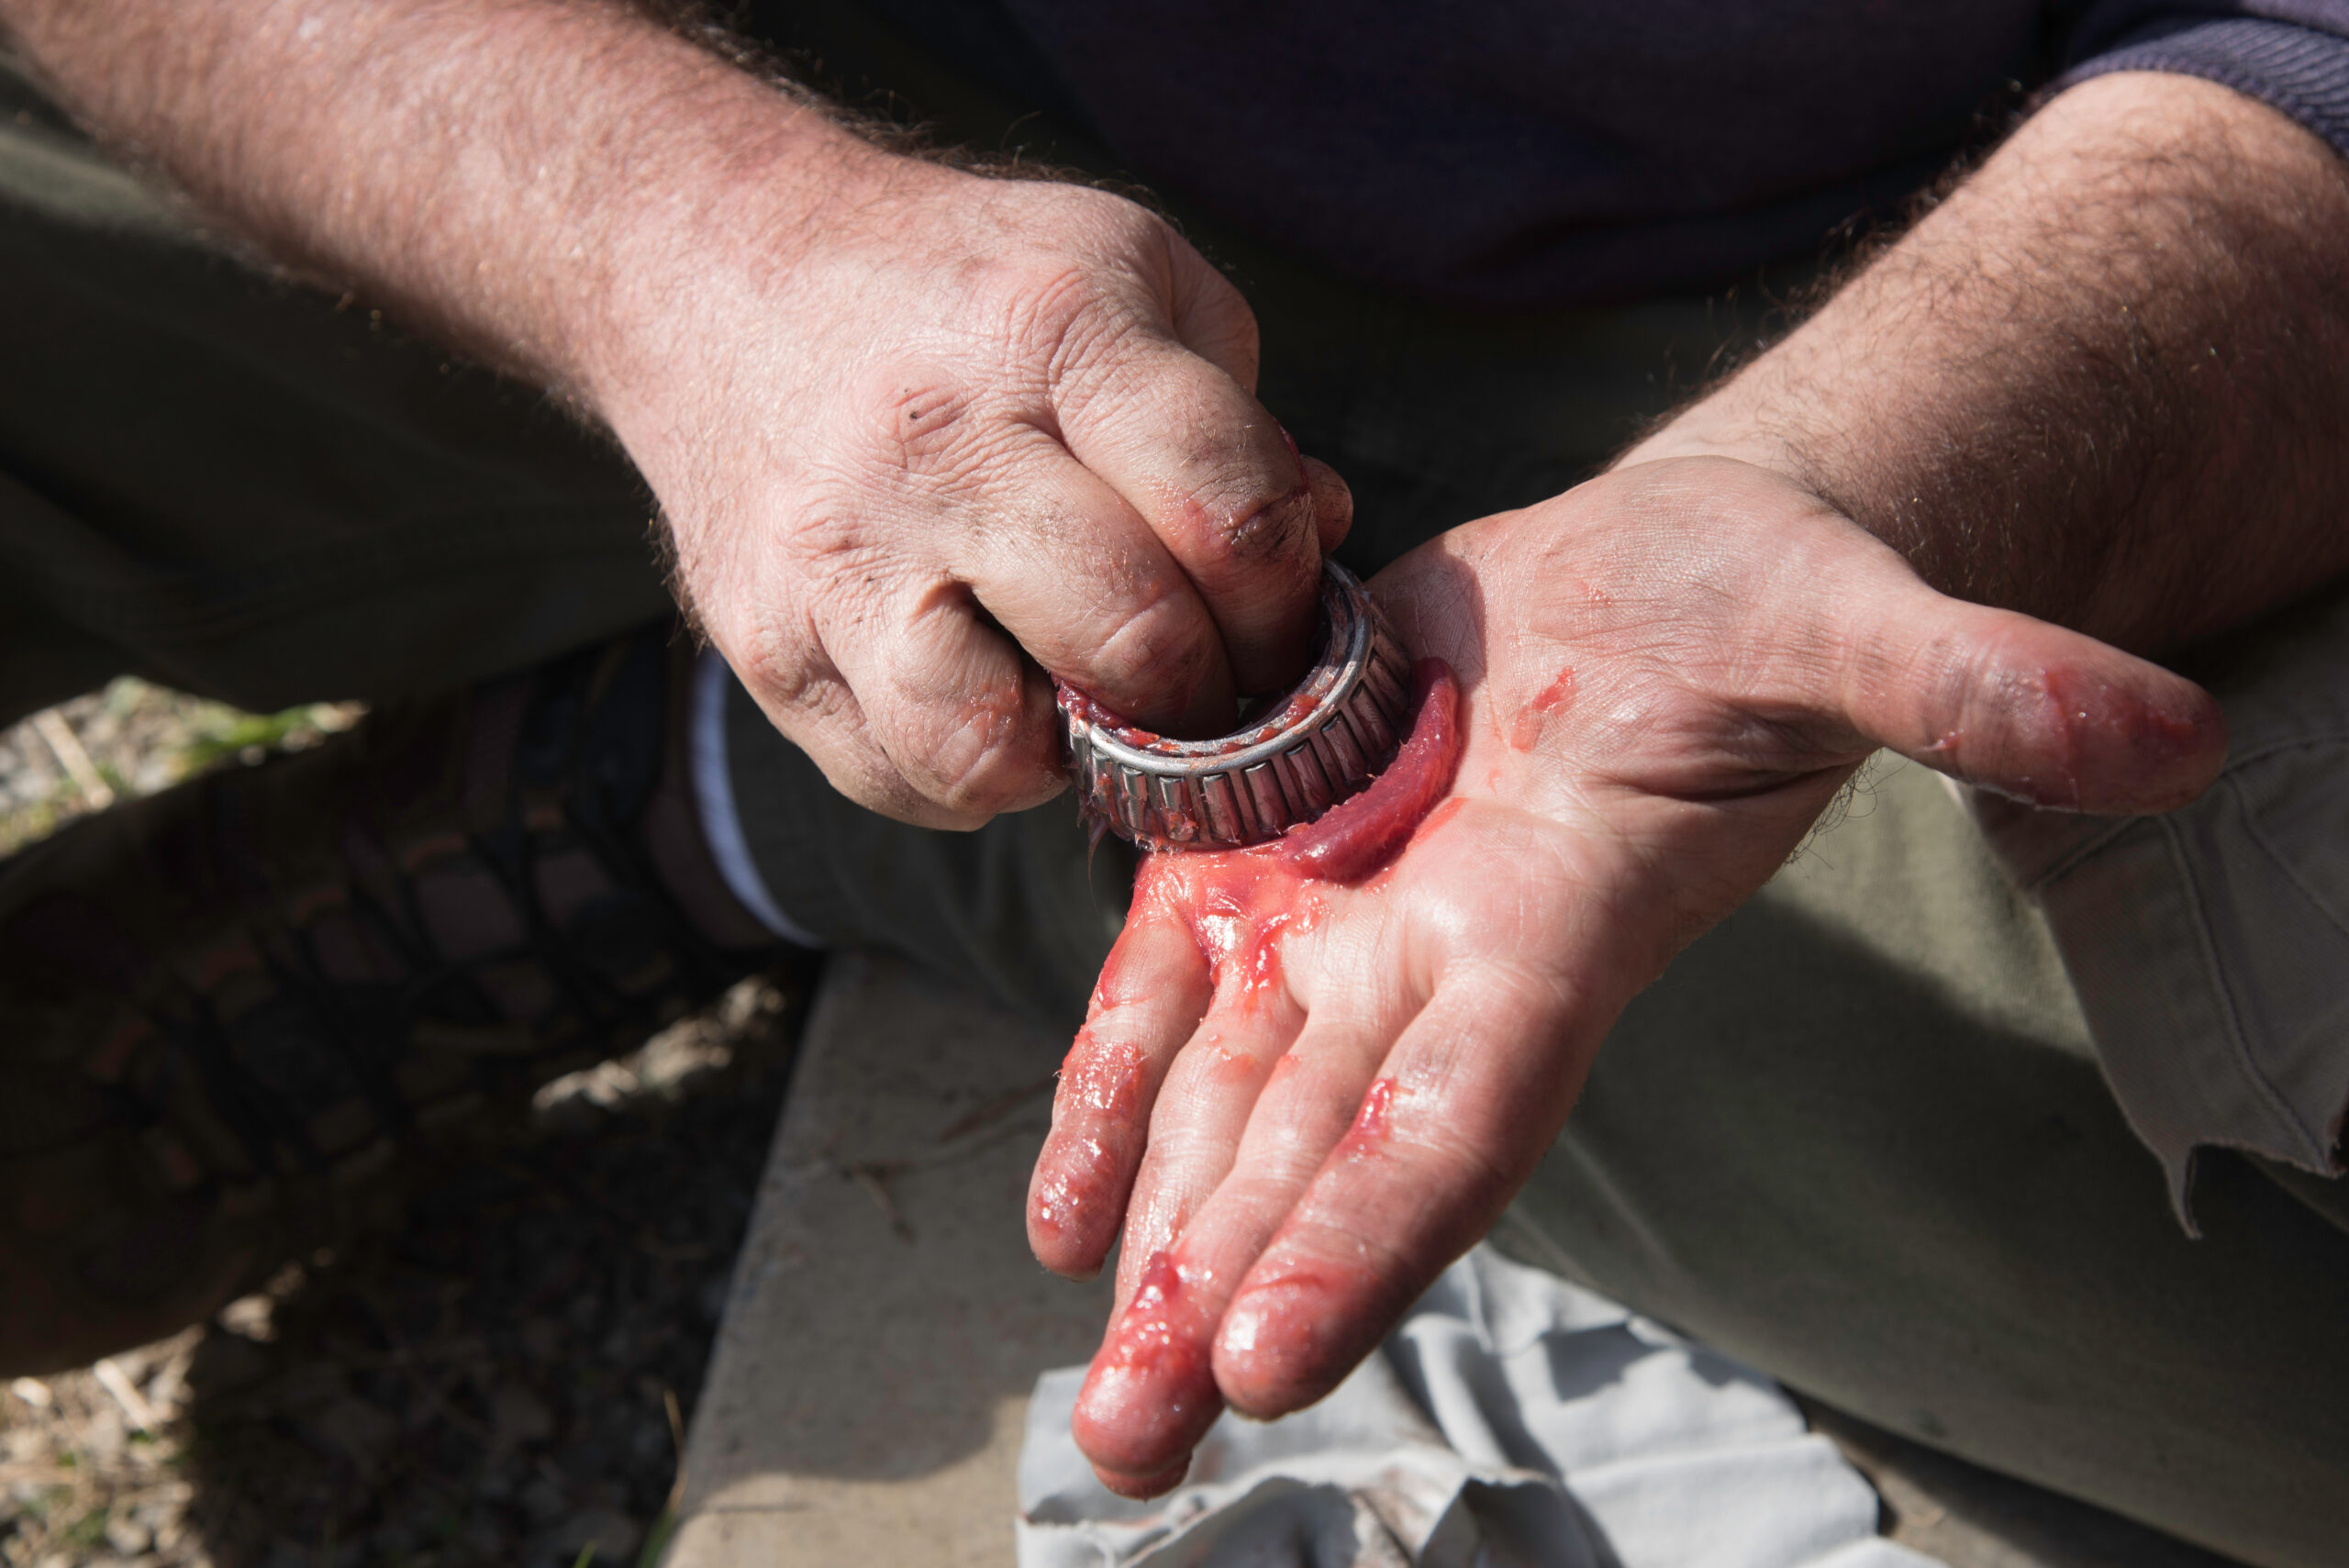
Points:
(1517, 152)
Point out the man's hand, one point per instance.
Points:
(960, 418)
(2102, 383)
(906, 422)
(1307, 1098)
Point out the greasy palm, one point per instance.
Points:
(1300, 1100)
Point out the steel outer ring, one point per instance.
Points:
(1299, 756)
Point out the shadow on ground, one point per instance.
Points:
(1972, 1517)
(497, 1378)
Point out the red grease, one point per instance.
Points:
(1535, 716)
(1107, 1081)
(1065, 1197)
(1370, 1126)
(1150, 1394)
(1358, 836)
(1296, 710)
(1239, 904)
(1111, 991)
(1148, 1338)
(2151, 738)
(2104, 748)
(1080, 1179)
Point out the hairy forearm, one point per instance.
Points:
(528, 177)
(2106, 382)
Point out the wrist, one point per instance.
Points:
(688, 237)
(1716, 429)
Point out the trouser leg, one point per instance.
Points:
(1023, 909)
(241, 488)
(228, 483)
(1857, 1135)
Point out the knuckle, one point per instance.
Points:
(1971, 687)
(1050, 310)
(1164, 647)
(841, 573)
(1472, 1176)
(1213, 316)
(805, 698)
(1067, 310)
(1243, 534)
(784, 672)
(1102, 222)
(980, 757)
(913, 421)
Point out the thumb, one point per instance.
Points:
(2028, 709)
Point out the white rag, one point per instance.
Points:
(1513, 1419)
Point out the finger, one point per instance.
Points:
(1213, 321)
(961, 717)
(1194, 1128)
(1077, 576)
(1211, 318)
(1333, 504)
(811, 704)
(1217, 479)
(1151, 1393)
(1466, 1109)
(1153, 991)
(2023, 707)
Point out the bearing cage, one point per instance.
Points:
(1316, 746)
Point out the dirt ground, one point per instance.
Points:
(498, 1376)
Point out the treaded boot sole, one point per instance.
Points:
(227, 1010)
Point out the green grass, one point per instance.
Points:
(224, 732)
(194, 735)
(86, 1533)
(656, 1540)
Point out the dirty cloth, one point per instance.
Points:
(1512, 1418)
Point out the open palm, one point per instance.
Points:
(1298, 1099)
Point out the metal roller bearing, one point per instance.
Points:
(1294, 759)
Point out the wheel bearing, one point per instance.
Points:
(1322, 742)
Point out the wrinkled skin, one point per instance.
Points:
(975, 434)
(1298, 1100)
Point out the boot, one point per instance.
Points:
(227, 1010)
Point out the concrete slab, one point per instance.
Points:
(865, 1394)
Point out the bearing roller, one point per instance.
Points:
(1293, 760)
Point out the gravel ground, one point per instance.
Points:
(499, 1375)
(134, 738)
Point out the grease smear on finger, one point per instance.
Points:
(1152, 1394)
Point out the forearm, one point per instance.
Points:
(2106, 382)
(527, 177)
